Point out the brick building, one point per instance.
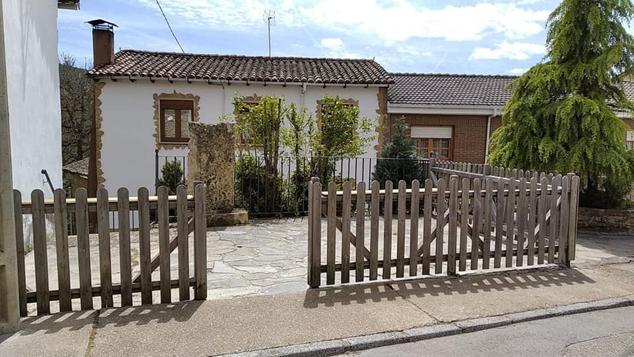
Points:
(452, 116)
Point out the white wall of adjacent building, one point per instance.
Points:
(33, 92)
(128, 143)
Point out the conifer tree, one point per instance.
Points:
(562, 116)
(398, 159)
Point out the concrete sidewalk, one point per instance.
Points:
(251, 323)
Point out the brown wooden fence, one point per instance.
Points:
(133, 277)
(477, 222)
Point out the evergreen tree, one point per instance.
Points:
(398, 159)
(562, 114)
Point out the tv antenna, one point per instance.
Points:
(269, 17)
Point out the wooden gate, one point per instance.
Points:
(135, 275)
(469, 223)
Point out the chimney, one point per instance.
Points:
(102, 42)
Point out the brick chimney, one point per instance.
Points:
(102, 42)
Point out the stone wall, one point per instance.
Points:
(606, 219)
(211, 161)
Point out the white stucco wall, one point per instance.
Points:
(128, 144)
(33, 91)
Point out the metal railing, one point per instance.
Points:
(278, 186)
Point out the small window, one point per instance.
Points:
(245, 107)
(629, 140)
(323, 109)
(175, 117)
(433, 142)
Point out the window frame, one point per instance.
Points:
(177, 105)
(349, 102)
(629, 144)
(429, 140)
(249, 102)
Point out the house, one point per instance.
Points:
(144, 99)
(32, 78)
(453, 116)
(30, 124)
(76, 174)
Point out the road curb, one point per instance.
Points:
(358, 343)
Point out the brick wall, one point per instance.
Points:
(469, 132)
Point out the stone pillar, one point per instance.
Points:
(211, 161)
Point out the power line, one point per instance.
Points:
(169, 26)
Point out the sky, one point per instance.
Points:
(429, 36)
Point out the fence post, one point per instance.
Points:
(486, 171)
(430, 166)
(572, 225)
(200, 243)
(314, 233)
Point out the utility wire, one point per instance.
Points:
(169, 26)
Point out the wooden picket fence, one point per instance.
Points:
(457, 224)
(190, 217)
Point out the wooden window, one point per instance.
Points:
(629, 140)
(174, 118)
(324, 109)
(433, 142)
(247, 104)
(350, 103)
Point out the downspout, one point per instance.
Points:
(92, 161)
(496, 112)
(224, 100)
(303, 100)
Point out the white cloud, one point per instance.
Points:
(335, 48)
(398, 20)
(331, 43)
(508, 50)
(517, 71)
(388, 20)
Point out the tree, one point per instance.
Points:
(76, 103)
(398, 159)
(340, 132)
(259, 127)
(171, 176)
(297, 138)
(562, 114)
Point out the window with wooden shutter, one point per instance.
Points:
(433, 141)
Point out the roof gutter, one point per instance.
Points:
(443, 109)
(230, 82)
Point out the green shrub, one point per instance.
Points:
(171, 176)
(398, 160)
(257, 190)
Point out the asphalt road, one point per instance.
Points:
(600, 333)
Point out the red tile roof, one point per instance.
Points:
(458, 89)
(244, 68)
(450, 89)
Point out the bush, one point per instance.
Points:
(297, 200)
(398, 160)
(610, 195)
(257, 190)
(171, 176)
